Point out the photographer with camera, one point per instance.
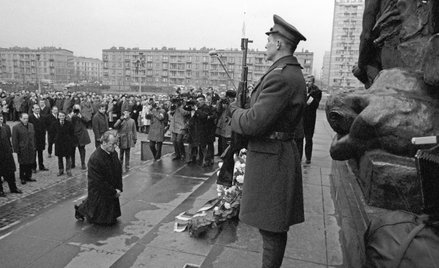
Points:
(100, 123)
(79, 122)
(177, 125)
(156, 133)
(127, 132)
(223, 128)
(201, 137)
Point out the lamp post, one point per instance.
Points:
(139, 63)
(214, 53)
(38, 78)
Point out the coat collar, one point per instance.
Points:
(287, 60)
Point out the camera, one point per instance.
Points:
(76, 111)
(224, 101)
(190, 105)
(176, 100)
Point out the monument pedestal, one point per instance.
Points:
(389, 181)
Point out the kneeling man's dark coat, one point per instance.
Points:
(104, 177)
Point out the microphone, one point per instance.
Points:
(213, 53)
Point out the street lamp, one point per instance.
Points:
(38, 79)
(139, 62)
(214, 53)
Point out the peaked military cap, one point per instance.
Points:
(286, 30)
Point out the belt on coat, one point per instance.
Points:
(281, 136)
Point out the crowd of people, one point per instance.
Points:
(194, 117)
(57, 123)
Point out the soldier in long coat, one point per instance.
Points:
(272, 198)
(104, 184)
(7, 163)
(23, 143)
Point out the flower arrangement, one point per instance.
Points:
(220, 209)
(230, 197)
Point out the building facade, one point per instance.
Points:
(87, 69)
(325, 68)
(346, 31)
(24, 65)
(126, 68)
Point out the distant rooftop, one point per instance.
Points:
(41, 49)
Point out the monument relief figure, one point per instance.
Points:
(395, 34)
(399, 66)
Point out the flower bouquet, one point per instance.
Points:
(220, 209)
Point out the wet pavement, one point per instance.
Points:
(38, 228)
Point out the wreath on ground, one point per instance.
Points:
(218, 210)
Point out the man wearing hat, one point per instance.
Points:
(272, 198)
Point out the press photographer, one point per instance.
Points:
(177, 126)
(81, 137)
(223, 128)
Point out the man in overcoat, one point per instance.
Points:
(7, 163)
(51, 121)
(79, 122)
(100, 124)
(64, 143)
(204, 130)
(176, 126)
(126, 130)
(23, 143)
(313, 97)
(39, 123)
(104, 184)
(156, 133)
(272, 198)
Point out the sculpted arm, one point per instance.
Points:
(371, 8)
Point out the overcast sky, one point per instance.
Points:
(88, 26)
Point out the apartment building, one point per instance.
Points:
(325, 68)
(25, 65)
(346, 31)
(125, 68)
(87, 69)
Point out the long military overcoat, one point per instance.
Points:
(23, 143)
(272, 196)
